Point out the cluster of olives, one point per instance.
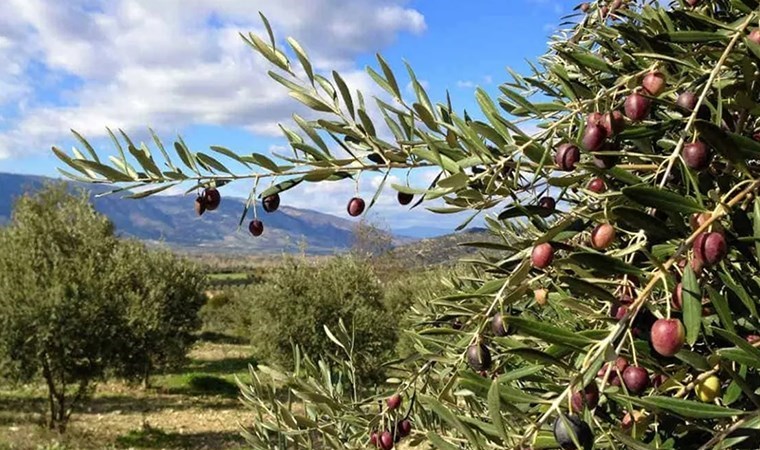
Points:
(210, 199)
(478, 355)
(667, 335)
(402, 428)
(600, 128)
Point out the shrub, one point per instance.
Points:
(301, 298)
(218, 300)
(163, 295)
(228, 312)
(77, 304)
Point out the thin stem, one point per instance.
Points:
(229, 177)
(693, 117)
(722, 435)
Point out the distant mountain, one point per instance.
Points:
(171, 220)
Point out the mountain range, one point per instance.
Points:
(171, 220)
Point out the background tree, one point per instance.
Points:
(301, 298)
(371, 240)
(629, 223)
(163, 296)
(58, 319)
(77, 304)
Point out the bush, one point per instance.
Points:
(227, 313)
(218, 300)
(163, 295)
(300, 298)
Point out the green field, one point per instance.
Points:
(192, 408)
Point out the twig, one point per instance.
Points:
(677, 150)
(722, 435)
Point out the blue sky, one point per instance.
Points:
(179, 67)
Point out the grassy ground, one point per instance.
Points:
(192, 408)
(235, 276)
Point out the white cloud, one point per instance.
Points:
(470, 84)
(174, 63)
(13, 58)
(171, 63)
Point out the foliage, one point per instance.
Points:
(301, 298)
(572, 300)
(77, 304)
(60, 317)
(331, 379)
(228, 313)
(163, 295)
(218, 300)
(410, 291)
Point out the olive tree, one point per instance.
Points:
(59, 318)
(622, 310)
(162, 296)
(294, 304)
(370, 240)
(77, 304)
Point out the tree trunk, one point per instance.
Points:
(56, 399)
(62, 405)
(51, 419)
(51, 391)
(62, 419)
(146, 376)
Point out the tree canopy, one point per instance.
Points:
(77, 304)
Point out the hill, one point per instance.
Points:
(171, 220)
(442, 250)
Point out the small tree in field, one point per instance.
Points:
(370, 240)
(59, 319)
(163, 295)
(76, 304)
(623, 310)
(301, 298)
